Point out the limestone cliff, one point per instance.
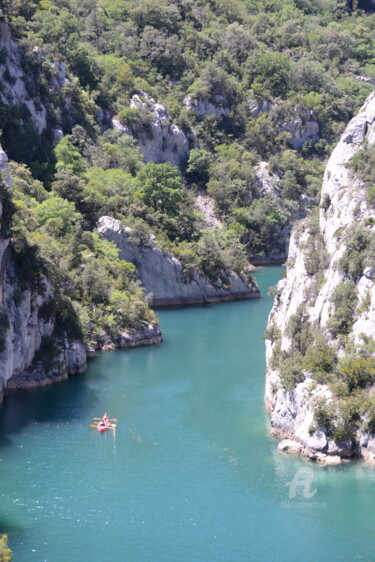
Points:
(25, 327)
(159, 139)
(163, 276)
(14, 83)
(324, 307)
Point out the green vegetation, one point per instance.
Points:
(271, 70)
(96, 292)
(4, 327)
(352, 385)
(344, 300)
(359, 253)
(363, 164)
(287, 61)
(5, 552)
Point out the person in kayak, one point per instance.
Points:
(105, 419)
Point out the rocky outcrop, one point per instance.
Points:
(23, 328)
(13, 81)
(163, 276)
(149, 334)
(161, 140)
(267, 183)
(217, 106)
(313, 275)
(255, 108)
(299, 125)
(25, 359)
(302, 127)
(206, 205)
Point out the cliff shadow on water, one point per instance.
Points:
(66, 402)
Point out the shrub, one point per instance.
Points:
(344, 300)
(357, 372)
(299, 330)
(272, 333)
(326, 202)
(320, 360)
(7, 212)
(4, 327)
(291, 372)
(58, 215)
(323, 414)
(360, 249)
(363, 164)
(136, 119)
(5, 552)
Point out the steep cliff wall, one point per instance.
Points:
(26, 327)
(13, 81)
(322, 324)
(163, 276)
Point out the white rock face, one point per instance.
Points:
(267, 182)
(206, 205)
(302, 128)
(165, 142)
(12, 79)
(257, 107)
(27, 328)
(162, 274)
(343, 204)
(217, 107)
(302, 125)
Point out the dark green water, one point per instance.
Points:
(190, 474)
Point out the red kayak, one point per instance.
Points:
(102, 426)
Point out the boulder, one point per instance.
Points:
(302, 127)
(290, 446)
(332, 460)
(318, 441)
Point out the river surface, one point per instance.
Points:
(190, 474)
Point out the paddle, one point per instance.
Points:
(112, 425)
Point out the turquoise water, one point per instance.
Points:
(190, 474)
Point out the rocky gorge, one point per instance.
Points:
(324, 308)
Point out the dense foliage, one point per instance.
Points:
(5, 552)
(267, 71)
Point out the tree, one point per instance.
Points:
(198, 164)
(272, 70)
(161, 185)
(58, 215)
(68, 157)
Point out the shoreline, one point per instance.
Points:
(37, 376)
